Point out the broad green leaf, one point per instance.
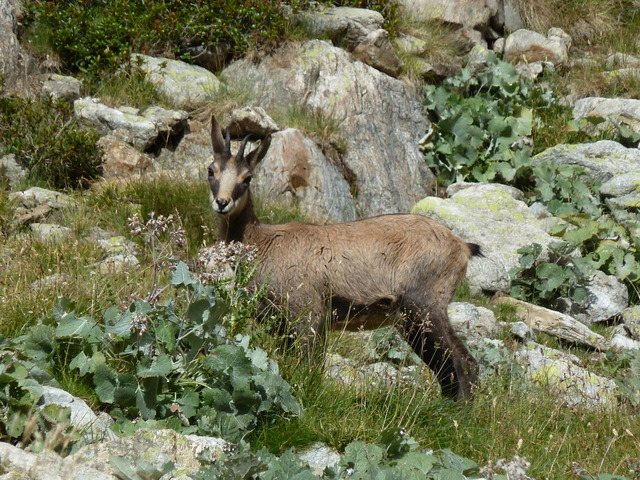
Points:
(72, 326)
(105, 381)
(118, 324)
(160, 366)
(422, 462)
(126, 390)
(190, 402)
(198, 311)
(448, 474)
(579, 295)
(86, 364)
(166, 336)
(181, 277)
(146, 396)
(581, 235)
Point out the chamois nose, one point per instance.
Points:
(222, 203)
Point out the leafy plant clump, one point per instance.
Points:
(47, 142)
(397, 455)
(172, 364)
(481, 125)
(594, 245)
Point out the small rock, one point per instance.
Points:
(318, 456)
(60, 86)
(36, 196)
(120, 159)
(251, 120)
(29, 215)
(473, 323)
(118, 263)
(621, 342)
(10, 169)
(522, 332)
(376, 50)
(50, 232)
(631, 321)
(528, 46)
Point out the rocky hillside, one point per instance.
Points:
(362, 122)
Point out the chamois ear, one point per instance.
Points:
(258, 153)
(217, 141)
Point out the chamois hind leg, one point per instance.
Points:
(432, 337)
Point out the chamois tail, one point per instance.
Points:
(475, 249)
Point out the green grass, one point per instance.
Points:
(129, 87)
(504, 420)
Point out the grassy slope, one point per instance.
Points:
(503, 421)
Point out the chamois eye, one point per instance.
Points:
(210, 171)
(247, 179)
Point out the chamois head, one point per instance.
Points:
(229, 175)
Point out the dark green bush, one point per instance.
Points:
(47, 142)
(94, 37)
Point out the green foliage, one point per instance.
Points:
(545, 282)
(95, 37)
(173, 363)
(480, 123)
(131, 87)
(187, 201)
(566, 189)
(396, 455)
(21, 383)
(601, 244)
(628, 379)
(47, 142)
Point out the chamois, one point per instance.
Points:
(380, 266)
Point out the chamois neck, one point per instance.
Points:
(239, 226)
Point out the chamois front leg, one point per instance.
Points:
(433, 339)
(310, 318)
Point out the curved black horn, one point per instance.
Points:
(240, 153)
(227, 144)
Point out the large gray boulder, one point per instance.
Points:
(92, 427)
(528, 46)
(379, 117)
(358, 30)
(187, 86)
(16, 65)
(296, 173)
(607, 297)
(343, 25)
(622, 192)
(144, 130)
(467, 14)
(616, 166)
(489, 215)
(602, 160)
(147, 451)
(570, 384)
(625, 111)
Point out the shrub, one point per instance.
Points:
(47, 142)
(480, 127)
(95, 37)
(170, 364)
